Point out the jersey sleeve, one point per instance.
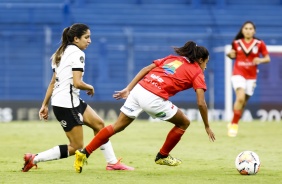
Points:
(78, 59)
(263, 49)
(199, 82)
(159, 62)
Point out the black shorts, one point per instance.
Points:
(70, 117)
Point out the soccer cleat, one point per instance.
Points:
(232, 130)
(80, 160)
(28, 162)
(169, 160)
(119, 166)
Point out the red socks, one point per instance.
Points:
(172, 139)
(104, 134)
(101, 138)
(236, 116)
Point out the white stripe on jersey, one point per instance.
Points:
(73, 57)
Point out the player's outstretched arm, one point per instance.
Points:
(204, 112)
(125, 92)
(140, 75)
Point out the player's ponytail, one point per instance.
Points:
(76, 30)
(192, 51)
(56, 57)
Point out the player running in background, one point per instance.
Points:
(68, 68)
(246, 50)
(150, 90)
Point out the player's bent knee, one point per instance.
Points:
(185, 124)
(241, 100)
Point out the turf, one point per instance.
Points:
(203, 161)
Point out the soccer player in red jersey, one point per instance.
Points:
(150, 90)
(246, 50)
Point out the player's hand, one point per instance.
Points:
(43, 113)
(123, 94)
(90, 92)
(256, 61)
(232, 54)
(210, 134)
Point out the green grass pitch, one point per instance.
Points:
(203, 161)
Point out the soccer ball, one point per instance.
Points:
(247, 163)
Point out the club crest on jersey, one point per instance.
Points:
(255, 49)
(170, 68)
(81, 59)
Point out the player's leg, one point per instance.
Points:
(238, 108)
(92, 119)
(244, 90)
(242, 97)
(157, 107)
(239, 84)
(69, 121)
(75, 136)
(250, 88)
(247, 97)
(105, 133)
(238, 105)
(101, 139)
(181, 124)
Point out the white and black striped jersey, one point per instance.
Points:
(64, 93)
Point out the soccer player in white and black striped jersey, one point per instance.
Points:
(68, 68)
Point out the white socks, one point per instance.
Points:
(61, 151)
(51, 154)
(109, 153)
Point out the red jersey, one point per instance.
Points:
(173, 74)
(245, 53)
